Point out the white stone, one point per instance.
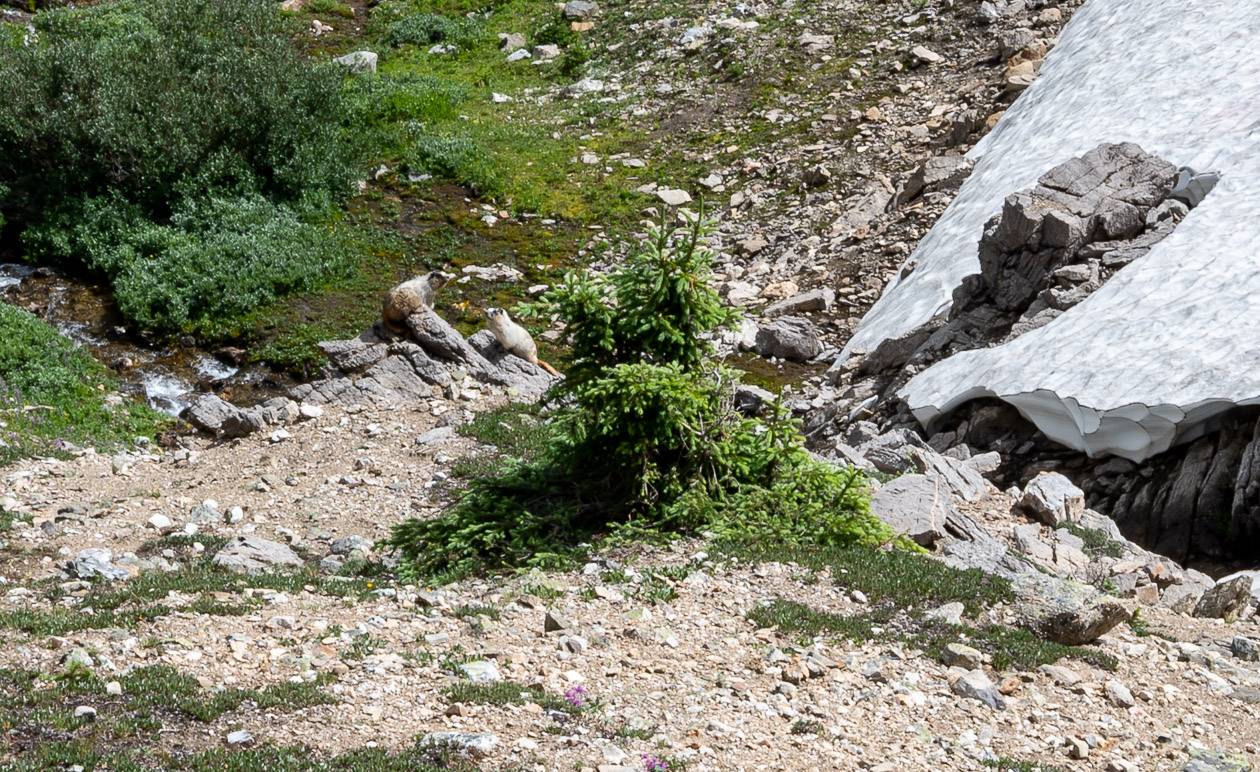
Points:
(161, 523)
(673, 196)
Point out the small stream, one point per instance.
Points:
(167, 374)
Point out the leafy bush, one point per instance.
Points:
(216, 259)
(458, 158)
(52, 392)
(424, 29)
(644, 437)
(556, 31)
(157, 116)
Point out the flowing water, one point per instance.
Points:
(166, 374)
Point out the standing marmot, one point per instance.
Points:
(411, 296)
(514, 338)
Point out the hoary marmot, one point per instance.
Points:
(411, 296)
(514, 338)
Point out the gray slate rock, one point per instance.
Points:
(1227, 600)
(253, 555)
(95, 562)
(580, 10)
(814, 300)
(792, 338)
(348, 544)
(942, 173)
(1053, 499)
(915, 505)
(976, 685)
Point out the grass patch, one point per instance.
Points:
(906, 579)
(507, 693)
(469, 611)
(1004, 764)
(1097, 543)
(53, 393)
(146, 598)
(516, 431)
(1008, 647)
(37, 710)
(66, 754)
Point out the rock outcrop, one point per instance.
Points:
(382, 369)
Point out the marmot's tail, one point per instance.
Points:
(549, 368)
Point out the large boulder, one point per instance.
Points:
(1065, 611)
(1052, 499)
(793, 338)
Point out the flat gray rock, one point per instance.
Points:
(252, 555)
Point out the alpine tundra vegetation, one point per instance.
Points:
(628, 385)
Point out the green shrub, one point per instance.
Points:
(215, 260)
(425, 29)
(556, 31)
(331, 7)
(52, 392)
(155, 118)
(457, 158)
(643, 437)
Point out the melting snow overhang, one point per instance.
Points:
(1173, 338)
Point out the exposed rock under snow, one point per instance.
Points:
(1144, 361)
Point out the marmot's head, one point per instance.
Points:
(496, 315)
(438, 279)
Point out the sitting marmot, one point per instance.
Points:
(411, 296)
(514, 338)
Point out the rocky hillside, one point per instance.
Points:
(224, 598)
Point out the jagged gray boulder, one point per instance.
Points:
(914, 505)
(1052, 499)
(215, 415)
(1065, 611)
(793, 338)
(941, 173)
(1226, 600)
(976, 685)
(254, 555)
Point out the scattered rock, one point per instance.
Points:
(97, 562)
(673, 196)
(961, 655)
(580, 10)
(1119, 694)
(977, 686)
(481, 672)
